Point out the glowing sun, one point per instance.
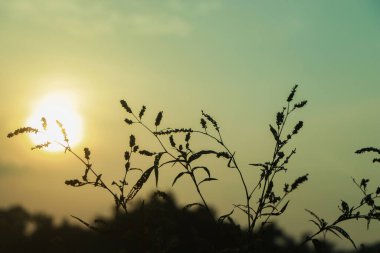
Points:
(56, 106)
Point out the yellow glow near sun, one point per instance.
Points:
(56, 106)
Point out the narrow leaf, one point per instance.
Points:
(203, 168)
(85, 223)
(178, 176)
(274, 132)
(335, 233)
(156, 166)
(344, 233)
(207, 179)
(316, 216)
(284, 207)
(136, 188)
(265, 166)
(318, 226)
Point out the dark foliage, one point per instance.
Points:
(157, 225)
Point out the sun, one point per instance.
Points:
(56, 106)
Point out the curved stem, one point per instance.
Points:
(271, 169)
(171, 155)
(124, 182)
(68, 148)
(337, 221)
(247, 196)
(274, 208)
(199, 192)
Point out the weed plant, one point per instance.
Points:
(263, 199)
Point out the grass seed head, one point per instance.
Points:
(125, 106)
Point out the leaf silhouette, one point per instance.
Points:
(156, 166)
(274, 132)
(318, 226)
(344, 233)
(284, 207)
(136, 188)
(316, 216)
(265, 166)
(332, 231)
(179, 175)
(85, 223)
(207, 179)
(203, 168)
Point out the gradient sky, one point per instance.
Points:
(235, 59)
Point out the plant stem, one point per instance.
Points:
(171, 155)
(68, 148)
(247, 196)
(271, 169)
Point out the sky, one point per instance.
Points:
(237, 60)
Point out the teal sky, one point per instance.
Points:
(235, 59)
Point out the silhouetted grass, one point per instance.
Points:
(263, 200)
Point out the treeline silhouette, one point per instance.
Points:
(157, 225)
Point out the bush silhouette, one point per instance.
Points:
(156, 225)
(206, 232)
(159, 225)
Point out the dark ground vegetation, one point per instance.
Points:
(158, 225)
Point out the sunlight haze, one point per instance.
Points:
(56, 106)
(236, 60)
